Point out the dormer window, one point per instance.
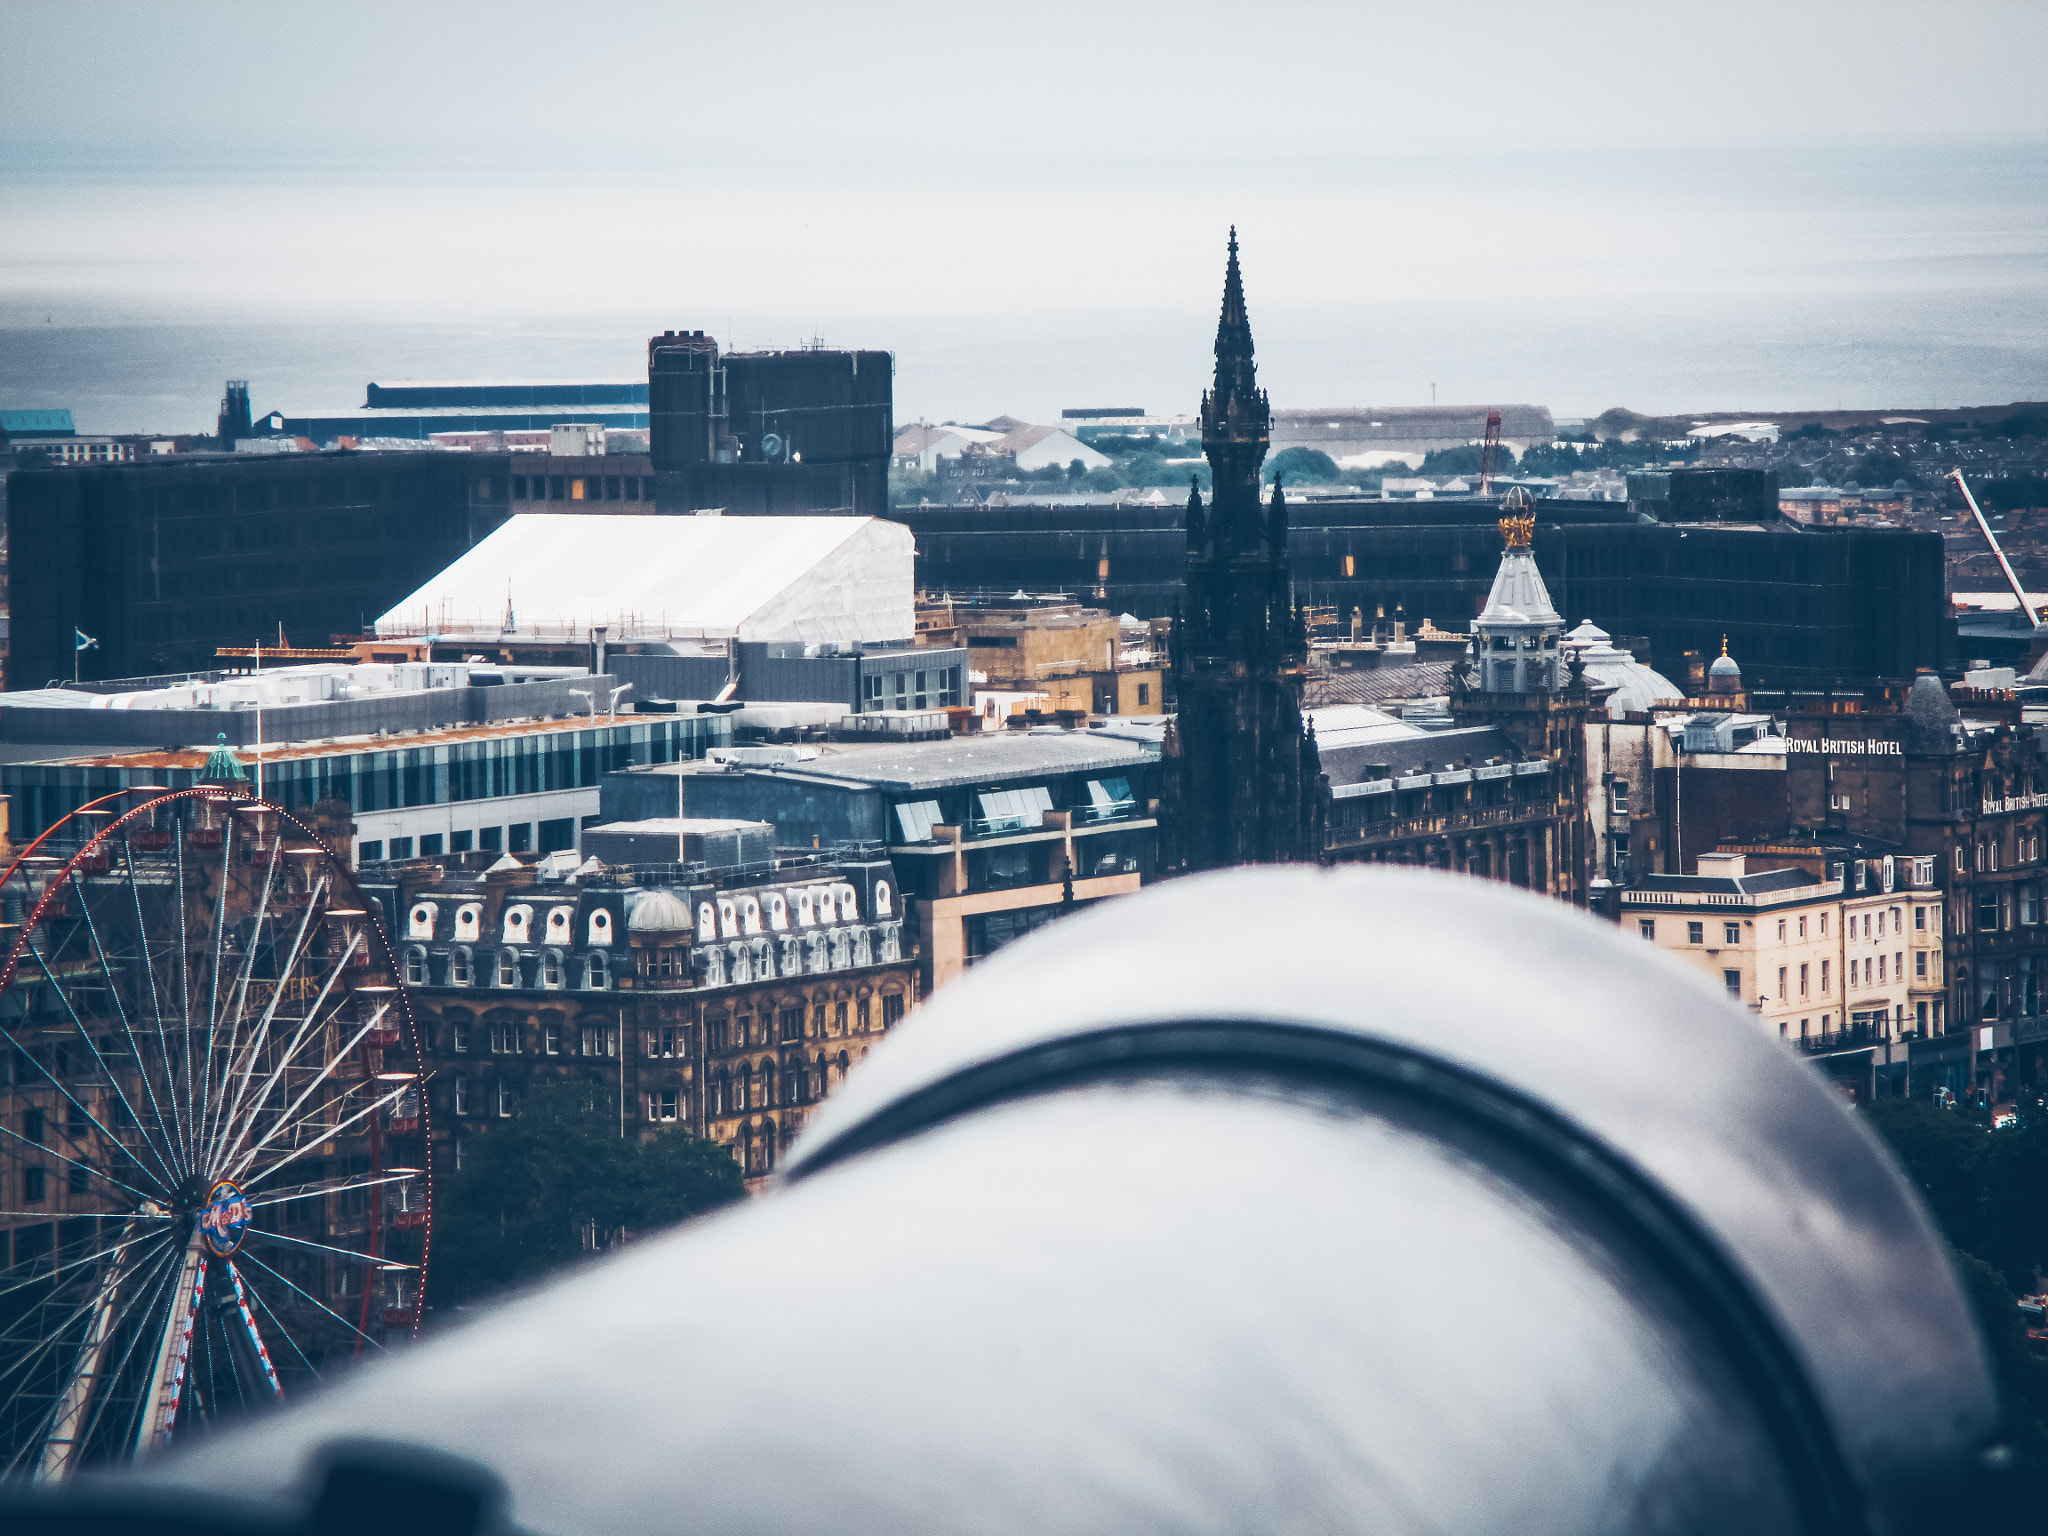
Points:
(551, 968)
(518, 924)
(600, 929)
(882, 898)
(420, 925)
(596, 976)
(508, 968)
(778, 911)
(469, 920)
(460, 973)
(728, 916)
(806, 912)
(558, 924)
(750, 915)
(415, 967)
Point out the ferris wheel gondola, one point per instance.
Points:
(213, 1176)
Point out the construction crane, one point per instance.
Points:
(1489, 454)
(1991, 538)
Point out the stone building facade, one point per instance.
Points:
(727, 1004)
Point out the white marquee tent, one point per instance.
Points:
(830, 580)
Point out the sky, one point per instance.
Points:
(1584, 205)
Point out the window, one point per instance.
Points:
(491, 839)
(1960, 865)
(1920, 966)
(505, 1038)
(415, 967)
(461, 1094)
(370, 853)
(1781, 983)
(550, 968)
(1732, 932)
(459, 972)
(839, 1019)
(401, 848)
(458, 1032)
(915, 818)
(1823, 925)
(1802, 981)
(75, 1119)
(595, 974)
(551, 1036)
(1802, 927)
(1144, 693)
(555, 836)
(1617, 796)
(1695, 933)
(461, 842)
(508, 968)
(662, 1105)
(1824, 978)
(892, 1009)
(1647, 927)
(1919, 919)
(862, 1019)
(505, 1099)
(1880, 969)
(1732, 980)
(522, 836)
(430, 845)
(1987, 911)
(81, 1179)
(33, 1185)
(1781, 931)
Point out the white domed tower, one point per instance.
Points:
(1724, 676)
(1516, 639)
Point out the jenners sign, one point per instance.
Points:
(1846, 748)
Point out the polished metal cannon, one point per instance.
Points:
(1284, 1199)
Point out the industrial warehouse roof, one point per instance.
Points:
(796, 579)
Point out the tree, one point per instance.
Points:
(535, 1190)
(1304, 466)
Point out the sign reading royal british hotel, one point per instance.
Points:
(1835, 746)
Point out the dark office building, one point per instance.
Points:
(800, 432)
(529, 405)
(163, 560)
(1799, 605)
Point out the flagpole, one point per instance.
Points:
(259, 719)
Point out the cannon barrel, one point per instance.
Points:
(1280, 1199)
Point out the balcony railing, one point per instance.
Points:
(1852, 1038)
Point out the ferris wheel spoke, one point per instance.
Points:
(220, 933)
(305, 1192)
(224, 1144)
(170, 1178)
(354, 1255)
(277, 1323)
(241, 1008)
(286, 1281)
(284, 1119)
(156, 1009)
(255, 1178)
(149, 1280)
(98, 1173)
(91, 1258)
(47, 1340)
(121, 1013)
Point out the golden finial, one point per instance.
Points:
(1519, 532)
(1724, 645)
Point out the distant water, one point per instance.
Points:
(1907, 349)
(1850, 279)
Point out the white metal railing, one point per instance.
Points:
(1818, 890)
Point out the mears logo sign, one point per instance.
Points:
(1851, 748)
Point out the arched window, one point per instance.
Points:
(518, 922)
(420, 924)
(508, 968)
(551, 967)
(460, 969)
(718, 1087)
(558, 924)
(601, 929)
(469, 919)
(843, 1064)
(767, 1075)
(595, 975)
(415, 967)
(882, 898)
(743, 1090)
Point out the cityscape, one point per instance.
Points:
(1463, 964)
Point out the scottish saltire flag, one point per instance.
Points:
(83, 641)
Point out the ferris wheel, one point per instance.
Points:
(213, 1176)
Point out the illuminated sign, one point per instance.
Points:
(224, 1218)
(1846, 748)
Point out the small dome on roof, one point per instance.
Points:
(657, 912)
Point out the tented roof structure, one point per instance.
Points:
(832, 580)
